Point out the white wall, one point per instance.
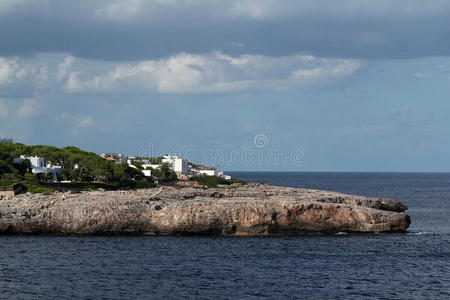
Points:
(38, 166)
(153, 166)
(36, 162)
(207, 172)
(178, 165)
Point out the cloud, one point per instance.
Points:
(85, 122)
(213, 73)
(147, 30)
(181, 73)
(18, 116)
(423, 75)
(23, 77)
(74, 123)
(10, 71)
(21, 109)
(133, 10)
(64, 67)
(28, 109)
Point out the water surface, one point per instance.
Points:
(396, 266)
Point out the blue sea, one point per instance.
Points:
(414, 265)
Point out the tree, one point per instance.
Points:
(23, 167)
(165, 173)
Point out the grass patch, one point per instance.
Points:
(29, 186)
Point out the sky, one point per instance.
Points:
(292, 85)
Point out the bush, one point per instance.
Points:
(36, 189)
(11, 177)
(214, 181)
(144, 184)
(29, 186)
(29, 177)
(168, 178)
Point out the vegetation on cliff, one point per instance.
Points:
(214, 181)
(76, 165)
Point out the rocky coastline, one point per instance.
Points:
(248, 209)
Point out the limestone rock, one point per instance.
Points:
(251, 209)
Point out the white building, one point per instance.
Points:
(5, 140)
(153, 166)
(38, 166)
(210, 172)
(147, 173)
(177, 164)
(207, 172)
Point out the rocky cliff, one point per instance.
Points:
(252, 209)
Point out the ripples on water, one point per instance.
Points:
(397, 266)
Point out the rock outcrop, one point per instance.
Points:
(252, 209)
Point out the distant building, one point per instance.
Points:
(5, 140)
(207, 172)
(147, 173)
(38, 166)
(115, 157)
(183, 177)
(36, 162)
(177, 164)
(153, 166)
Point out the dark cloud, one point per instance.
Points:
(136, 30)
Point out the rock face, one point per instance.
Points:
(252, 209)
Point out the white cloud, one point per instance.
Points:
(423, 75)
(274, 9)
(27, 109)
(85, 122)
(213, 73)
(148, 10)
(64, 67)
(76, 122)
(122, 10)
(119, 10)
(182, 73)
(10, 71)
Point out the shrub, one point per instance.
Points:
(29, 186)
(29, 177)
(144, 184)
(214, 181)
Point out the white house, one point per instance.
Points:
(153, 166)
(177, 164)
(38, 166)
(210, 172)
(207, 172)
(147, 173)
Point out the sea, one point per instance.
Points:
(412, 265)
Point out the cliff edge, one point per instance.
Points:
(250, 209)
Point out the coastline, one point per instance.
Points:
(251, 209)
